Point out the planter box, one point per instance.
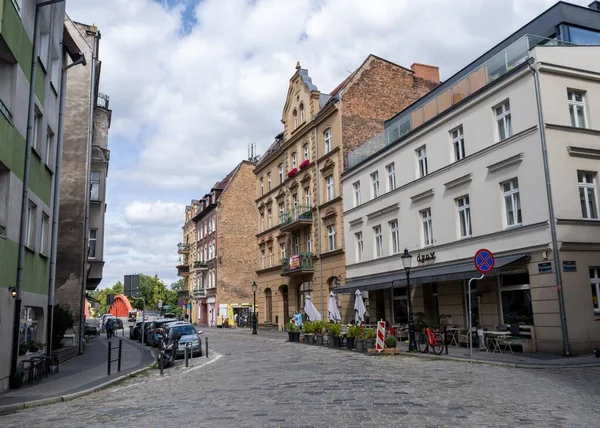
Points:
(309, 338)
(359, 345)
(390, 351)
(350, 343)
(319, 339)
(369, 344)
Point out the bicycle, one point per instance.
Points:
(429, 338)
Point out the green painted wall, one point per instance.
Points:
(40, 179)
(40, 82)
(12, 149)
(16, 37)
(9, 252)
(36, 273)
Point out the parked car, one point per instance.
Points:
(135, 331)
(189, 337)
(132, 315)
(157, 330)
(145, 333)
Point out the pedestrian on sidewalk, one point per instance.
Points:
(110, 325)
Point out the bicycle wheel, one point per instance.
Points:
(422, 344)
(438, 344)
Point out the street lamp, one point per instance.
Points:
(254, 320)
(406, 262)
(13, 292)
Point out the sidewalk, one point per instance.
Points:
(269, 334)
(81, 373)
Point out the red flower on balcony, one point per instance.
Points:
(292, 172)
(304, 164)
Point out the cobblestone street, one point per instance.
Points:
(259, 382)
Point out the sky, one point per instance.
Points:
(193, 82)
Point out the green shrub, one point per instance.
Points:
(308, 327)
(318, 327)
(335, 330)
(390, 342)
(62, 321)
(369, 333)
(354, 331)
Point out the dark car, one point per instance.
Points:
(135, 331)
(145, 334)
(188, 337)
(157, 330)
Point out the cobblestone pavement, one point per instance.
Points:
(260, 382)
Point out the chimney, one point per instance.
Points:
(595, 5)
(430, 73)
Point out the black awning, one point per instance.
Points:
(423, 275)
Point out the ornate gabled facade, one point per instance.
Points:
(300, 233)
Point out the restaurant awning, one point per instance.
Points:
(422, 275)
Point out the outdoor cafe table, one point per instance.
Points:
(494, 337)
(453, 332)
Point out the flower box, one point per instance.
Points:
(304, 164)
(292, 172)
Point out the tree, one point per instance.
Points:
(178, 285)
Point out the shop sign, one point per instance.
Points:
(422, 258)
(545, 267)
(295, 262)
(569, 266)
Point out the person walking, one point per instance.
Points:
(110, 325)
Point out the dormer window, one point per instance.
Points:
(295, 118)
(301, 113)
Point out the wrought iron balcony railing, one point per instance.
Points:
(299, 215)
(183, 248)
(298, 263)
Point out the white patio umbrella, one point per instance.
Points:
(334, 312)
(359, 308)
(311, 311)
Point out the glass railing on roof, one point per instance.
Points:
(492, 69)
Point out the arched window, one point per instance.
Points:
(268, 305)
(295, 118)
(304, 289)
(327, 140)
(301, 112)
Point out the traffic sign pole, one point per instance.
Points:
(484, 262)
(470, 316)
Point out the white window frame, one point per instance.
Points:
(301, 113)
(327, 140)
(356, 187)
(513, 197)
(308, 242)
(360, 253)
(463, 209)
(391, 174)
(306, 152)
(262, 186)
(295, 114)
(307, 200)
(503, 120)
(30, 231)
(586, 181)
(394, 236)
(44, 240)
(270, 217)
(263, 255)
(271, 257)
(421, 154)
(92, 255)
(377, 242)
(4, 198)
(268, 181)
(49, 158)
(574, 106)
(281, 212)
(375, 184)
(458, 143)
(595, 282)
(426, 227)
(282, 250)
(331, 237)
(330, 188)
(297, 245)
(281, 173)
(294, 160)
(262, 222)
(95, 178)
(37, 132)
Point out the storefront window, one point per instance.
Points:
(595, 282)
(29, 330)
(305, 289)
(400, 306)
(516, 299)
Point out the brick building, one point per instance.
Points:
(218, 251)
(300, 232)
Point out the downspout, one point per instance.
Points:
(86, 223)
(319, 230)
(552, 219)
(56, 198)
(25, 194)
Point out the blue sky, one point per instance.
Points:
(193, 82)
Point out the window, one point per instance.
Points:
(282, 250)
(18, 5)
(359, 246)
(577, 109)
(304, 290)
(29, 331)
(329, 187)
(516, 299)
(595, 282)
(270, 215)
(395, 236)
(458, 143)
(280, 173)
(281, 212)
(211, 251)
(308, 243)
(295, 118)
(49, 148)
(422, 161)
(262, 222)
(331, 237)
(327, 139)
(587, 194)
(391, 173)
(268, 305)
(54, 73)
(305, 150)
(44, 47)
(356, 187)
(263, 258)
(307, 197)
(37, 132)
(268, 181)
(464, 216)
(375, 184)
(297, 245)
(427, 227)
(271, 257)
(512, 202)
(95, 185)
(44, 247)
(92, 241)
(503, 118)
(295, 202)
(294, 160)
(31, 220)
(301, 113)
(262, 186)
(4, 191)
(378, 241)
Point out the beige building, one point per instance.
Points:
(300, 220)
(218, 250)
(465, 168)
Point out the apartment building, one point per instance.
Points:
(298, 187)
(83, 181)
(504, 155)
(218, 251)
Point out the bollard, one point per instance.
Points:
(206, 340)
(120, 350)
(191, 355)
(446, 341)
(185, 351)
(109, 346)
(161, 363)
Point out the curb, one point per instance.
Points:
(9, 408)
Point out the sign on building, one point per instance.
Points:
(132, 285)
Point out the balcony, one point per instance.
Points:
(183, 248)
(445, 97)
(211, 291)
(199, 292)
(297, 264)
(183, 270)
(103, 100)
(297, 218)
(200, 265)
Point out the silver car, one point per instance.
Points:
(189, 337)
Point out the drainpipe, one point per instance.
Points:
(25, 194)
(56, 199)
(86, 224)
(320, 232)
(556, 253)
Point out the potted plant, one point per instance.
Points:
(390, 345)
(304, 163)
(335, 330)
(370, 335)
(353, 332)
(318, 327)
(23, 348)
(309, 332)
(293, 332)
(359, 340)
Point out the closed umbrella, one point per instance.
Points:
(310, 310)
(359, 308)
(334, 312)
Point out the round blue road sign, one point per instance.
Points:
(484, 261)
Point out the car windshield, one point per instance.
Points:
(184, 330)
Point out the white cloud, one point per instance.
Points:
(185, 105)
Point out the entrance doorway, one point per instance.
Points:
(283, 290)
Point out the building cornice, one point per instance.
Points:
(375, 214)
(505, 163)
(578, 222)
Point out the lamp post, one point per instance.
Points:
(254, 320)
(406, 262)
